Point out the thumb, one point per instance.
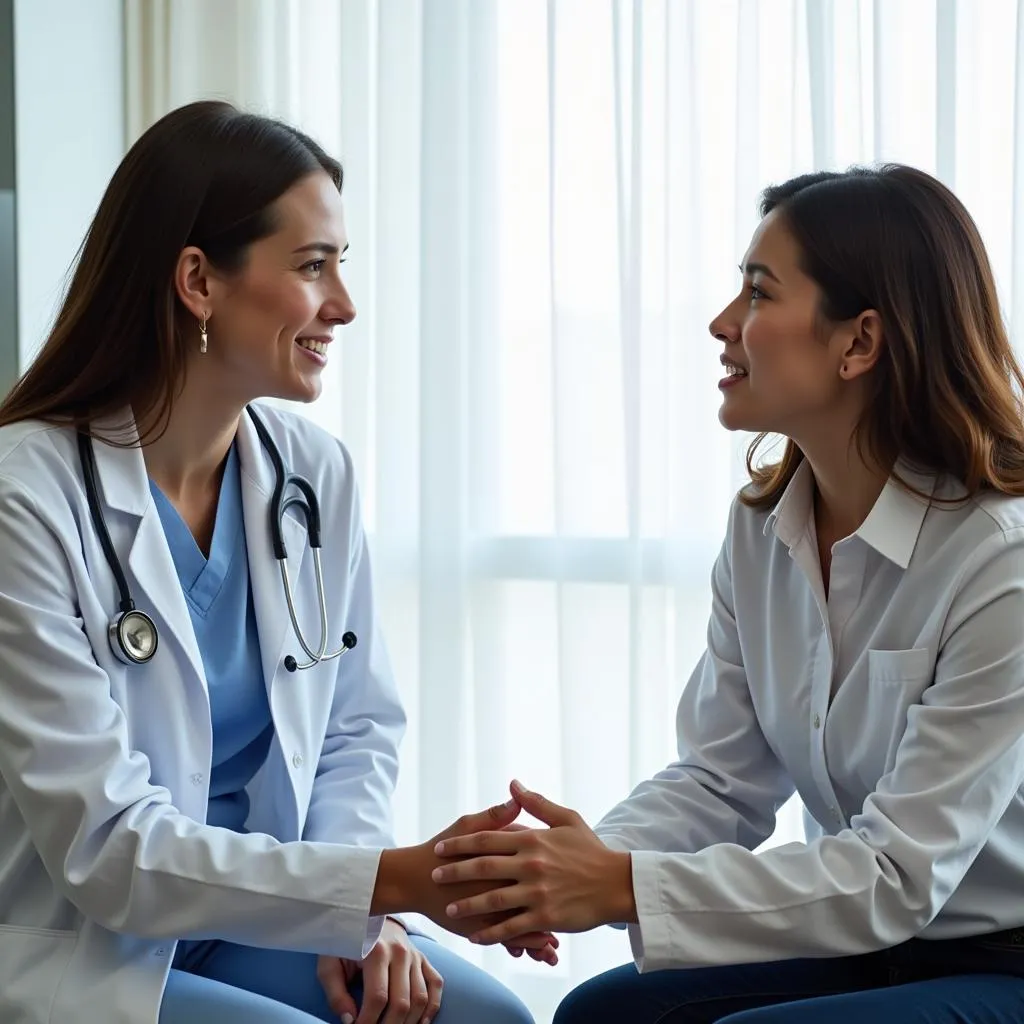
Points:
(491, 820)
(541, 807)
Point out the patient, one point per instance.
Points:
(865, 650)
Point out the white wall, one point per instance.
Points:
(69, 124)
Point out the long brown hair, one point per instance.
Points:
(946, 393)
(206, 175)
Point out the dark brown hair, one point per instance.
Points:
(206, 175)
(946, 392)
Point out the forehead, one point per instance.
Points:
(311, 211)
(773, 244)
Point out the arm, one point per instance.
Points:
(110, 839)
(958, 767)
(727, 784)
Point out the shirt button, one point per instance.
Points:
(817, 722)
(197, 779)
(297, 760)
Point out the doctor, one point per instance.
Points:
(190, 832)
(865, 649)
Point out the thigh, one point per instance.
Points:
(471, 996)
(191, 999)
(701, 995)
(286, 978)
(977, 998)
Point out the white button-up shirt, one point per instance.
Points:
(895, 708)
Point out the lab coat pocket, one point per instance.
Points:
(896, 681)
(32, 961)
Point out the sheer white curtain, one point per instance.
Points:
(547, 201)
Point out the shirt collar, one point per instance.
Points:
(891, 527)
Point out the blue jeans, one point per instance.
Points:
(220, 983)
(962, 981)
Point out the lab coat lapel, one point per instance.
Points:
(277, 638)
(153, 579)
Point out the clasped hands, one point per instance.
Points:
(515, 885)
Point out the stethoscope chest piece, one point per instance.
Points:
(133, 637)
(132, 634)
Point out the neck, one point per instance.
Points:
(188, 458)
(846, 486)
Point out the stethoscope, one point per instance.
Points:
(133, 634)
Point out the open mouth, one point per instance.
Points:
(312, 345)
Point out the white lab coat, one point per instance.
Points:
(105, 858)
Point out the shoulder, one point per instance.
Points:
(998, 514)
(306, 448)
(746, 526)
(37, 458)
(309, 451)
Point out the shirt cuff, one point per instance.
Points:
(357, 926)
(651, 938)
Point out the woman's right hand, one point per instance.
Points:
(404, 884)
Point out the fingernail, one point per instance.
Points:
(516, 784)
(451, 910)
(347, 1018)
(437, 874)
(439, 849)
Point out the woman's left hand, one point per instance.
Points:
(564, 878)
(396, 976)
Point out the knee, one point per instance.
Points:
(486, 1000)
(594, 1002)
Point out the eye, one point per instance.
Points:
(756, 293)
(314, 267)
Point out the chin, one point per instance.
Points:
(733, 420)
(738, 416)
(304, 390)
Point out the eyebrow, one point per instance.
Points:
(759, 268)
(322, 247)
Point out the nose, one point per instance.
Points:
(725, 327)
(339, 308)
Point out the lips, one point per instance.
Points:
(313, 344)
(733, 369)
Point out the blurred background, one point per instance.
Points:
(547, 201)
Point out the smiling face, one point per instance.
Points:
(271, 322)
(787, 365)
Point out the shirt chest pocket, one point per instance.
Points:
(896, 681)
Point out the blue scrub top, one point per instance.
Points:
(219, 600)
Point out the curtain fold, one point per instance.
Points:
(547, 201)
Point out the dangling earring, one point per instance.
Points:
(203, 336)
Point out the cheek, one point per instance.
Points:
(785, 357)
(280, 305)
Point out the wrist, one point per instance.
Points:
(621, 899)
(395, 889)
